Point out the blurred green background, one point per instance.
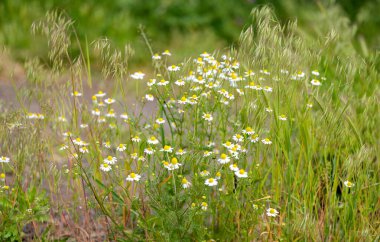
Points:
(184, 27)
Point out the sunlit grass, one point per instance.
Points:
(270, 140)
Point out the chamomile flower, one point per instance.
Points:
(105, 167)
(234, 167)
(149, 97)
(109, 100)
(167, 148)
(83, 126)
(138, 75)
(67, 134)
(315, 73)
(185, 183)
(204, 206)
(136, 139)
(149, 150)
(223, 159)
(107, 144)
(76, 94)
(282, 117)
(160, 121)
(249, 73)
(83, 150)
(79, 142)
(63, 147)
(268, 110)
(254, 138)
(268, 89)
(156, 57)
(62, 119)
(163, 82)
(175, 164)
(111, 114)
(96, 112)
(309, 105)
(166, 53)
(271, 212)
(100, 94)
(211, 182)
(167, 165)
(152, 140)
(110, 160)
(4, 159)
(133, 177)
(151, 82)
(207, 153)
(181, 152)
(124, 116)
(121, 147)
(349, 184)
(228, 145)
(32, 116)
(218, 175)
(173, 68)
(238, 138)
(300, 74)
(248, 130)
(183, 100)
(204, 173)
(207, 116)
(315, 82)
(40, 116)
(241, 173)
(179, 82)
(266, 141)
(101, 119)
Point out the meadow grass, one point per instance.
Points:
(273, 139)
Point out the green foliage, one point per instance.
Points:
(20, 208)
(279, 146)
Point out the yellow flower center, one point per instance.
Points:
(167, 147)
(211, 180)
(223, 156)
(242, 171)
(109, 158)
(132, 175)
(174, 161)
